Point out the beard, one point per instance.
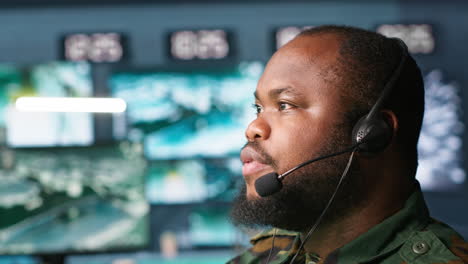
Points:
(305, 192)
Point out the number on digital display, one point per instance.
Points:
(200, 44)
(418, 37)
(95, 47)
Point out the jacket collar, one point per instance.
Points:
(389, 235)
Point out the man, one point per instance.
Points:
(311, 95)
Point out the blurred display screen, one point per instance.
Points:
(95, 47)
(193, 180)
(192, 126)
(18, 260)
(208, 227)
(195, 226)
(45, 129)
(73, 199)
(200, 44)
(441, 140)
(190, 257)
(418, 37)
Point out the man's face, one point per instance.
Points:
(300, 117)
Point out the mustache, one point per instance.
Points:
(265, 157)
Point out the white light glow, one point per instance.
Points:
(66, 104)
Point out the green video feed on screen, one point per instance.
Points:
(73, 200)
(186, 114)
(191, 124)
(209, 227)
(53, 79)
(193, 180)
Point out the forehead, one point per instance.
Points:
(305, 62)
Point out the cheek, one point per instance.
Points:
(294, 145)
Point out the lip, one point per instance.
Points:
(253, 163)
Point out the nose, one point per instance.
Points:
(258, 129)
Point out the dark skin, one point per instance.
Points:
(298, 100)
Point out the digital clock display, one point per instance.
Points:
(94, 47)
(418, 37)
(200, 44)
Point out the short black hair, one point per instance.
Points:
(365, 63)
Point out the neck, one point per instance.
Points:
(329, 237)
(385, 197)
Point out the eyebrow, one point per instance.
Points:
(274, 93)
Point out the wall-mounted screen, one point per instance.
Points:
(441, 139)
(208, 227)
(192, 126)
(19, 260)
(45, 129)
(193, 180)
(73, 199)
(190, 257)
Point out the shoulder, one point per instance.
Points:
(262, 245)
(437, 243)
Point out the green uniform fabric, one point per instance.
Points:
(410, 236)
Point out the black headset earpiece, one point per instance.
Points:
(372, 132)
(372, 135)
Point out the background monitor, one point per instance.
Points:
(440, 146)
(20, 259)
(60, 193)
(60, 200)
(73, 199)
(191, 124)
(44, 129)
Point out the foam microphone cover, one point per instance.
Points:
(268, 184)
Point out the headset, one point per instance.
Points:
(372, 133)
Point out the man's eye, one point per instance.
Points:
(258, 108)
(284, 106)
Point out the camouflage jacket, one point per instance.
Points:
(410, 236)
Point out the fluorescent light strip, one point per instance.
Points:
(67, 104)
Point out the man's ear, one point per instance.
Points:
(392, 121)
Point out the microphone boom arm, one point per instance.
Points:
(350, 149)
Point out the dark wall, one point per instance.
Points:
(33, 35)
